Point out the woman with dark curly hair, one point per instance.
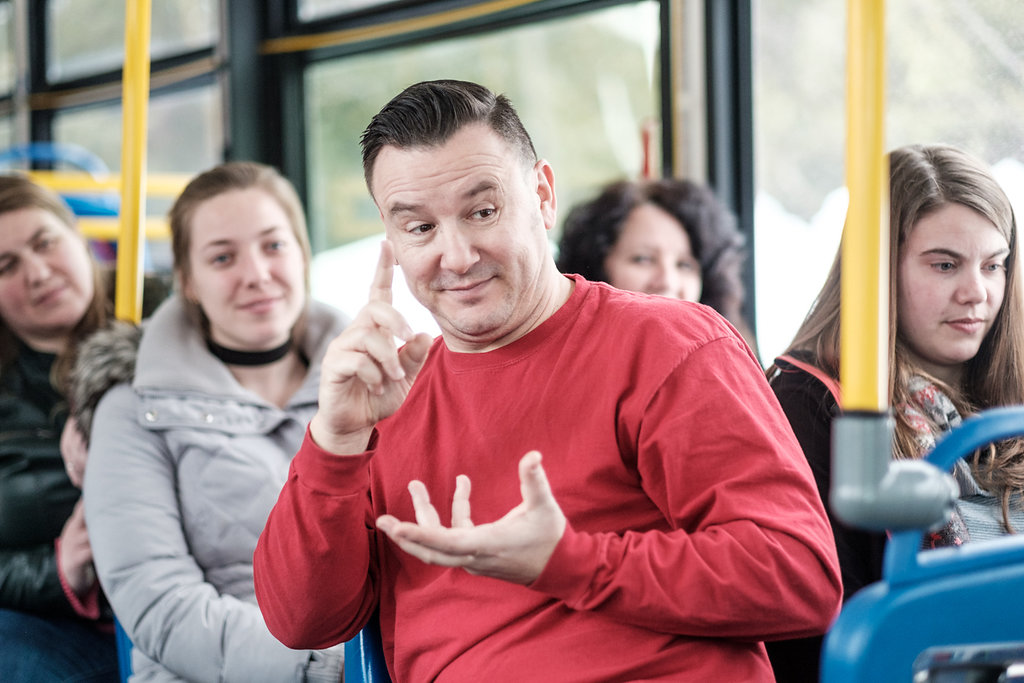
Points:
(670, 237)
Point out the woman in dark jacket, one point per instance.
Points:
(955, 345)
(52, 626)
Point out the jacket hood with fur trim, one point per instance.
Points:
(105, 359)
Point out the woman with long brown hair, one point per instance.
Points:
(956, 347)
(53, 624)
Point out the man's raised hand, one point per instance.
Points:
(365, 376)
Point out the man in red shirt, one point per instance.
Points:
(674, 524)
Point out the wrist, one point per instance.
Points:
(349, 443)
(84, 595)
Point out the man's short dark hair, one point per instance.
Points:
(429, 113)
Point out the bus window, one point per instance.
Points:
(584, 85)
(948, 63)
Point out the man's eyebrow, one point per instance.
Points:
(403, 208)
(479, 188)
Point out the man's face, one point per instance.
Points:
(469, 221)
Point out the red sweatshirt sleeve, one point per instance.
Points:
(312, 561)
(86, 606)
(750, 554)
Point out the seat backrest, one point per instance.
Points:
(124, 652)
(938, 608)
(364, 656)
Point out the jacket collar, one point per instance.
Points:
(173, 356)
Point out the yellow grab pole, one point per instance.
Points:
(869, 490)
(134, 102)
(864, 315)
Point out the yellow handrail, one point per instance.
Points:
(135, 102)
(108, 228)
(864, 313)
(157, 185)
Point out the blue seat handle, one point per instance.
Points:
(903, 562)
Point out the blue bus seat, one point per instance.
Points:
(107, 204)
(124, 652)
(364, 656)
(950, 608)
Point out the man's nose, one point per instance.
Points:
(458, 253)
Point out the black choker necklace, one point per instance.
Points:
(236, 357)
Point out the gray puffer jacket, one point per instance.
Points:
(184, 467)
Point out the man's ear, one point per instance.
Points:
(545, 177)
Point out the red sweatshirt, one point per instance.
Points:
(694, 526)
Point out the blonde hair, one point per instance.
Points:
(923, 179)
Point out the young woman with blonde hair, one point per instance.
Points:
(188, 454)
